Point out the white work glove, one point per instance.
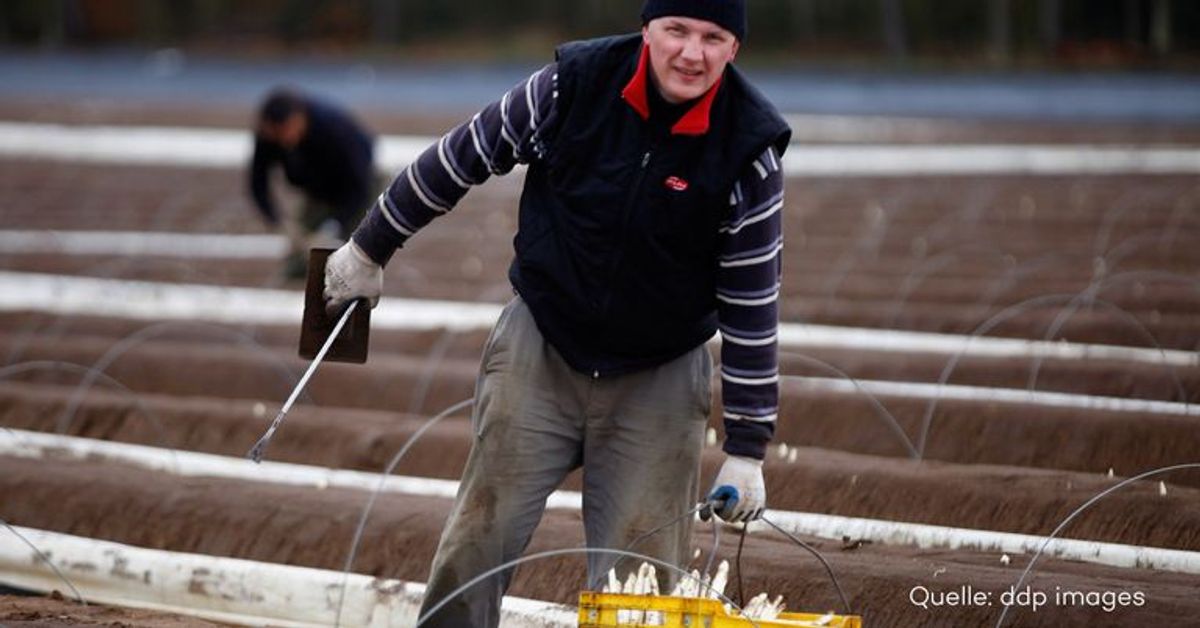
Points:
(739, 490)
(350, 274)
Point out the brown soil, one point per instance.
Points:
(932, 254)
(52, 611)
(1111, 378)
(944, 255)
(314, 527)
(978, 495)
(961, 431)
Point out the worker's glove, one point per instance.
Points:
(738, 493)
(350, 274)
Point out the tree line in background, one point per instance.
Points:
(999, 32)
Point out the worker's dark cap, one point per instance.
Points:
(728, 14)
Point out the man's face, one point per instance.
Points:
(287, 133)
(687, 55)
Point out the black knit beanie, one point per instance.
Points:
(728, 14)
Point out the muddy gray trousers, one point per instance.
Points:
(638, 438)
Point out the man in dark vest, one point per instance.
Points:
(326, 155)
(650, 219)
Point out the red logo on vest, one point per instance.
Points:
(675, 183)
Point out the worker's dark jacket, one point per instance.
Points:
(331, 164)
(616, 254)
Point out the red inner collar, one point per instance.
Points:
(694, 122)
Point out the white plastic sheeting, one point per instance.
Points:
(217, 304)
(230, 148)
(144, 243)
(163, 146)
(64, 294)
(228, 590)
(931, 537)
(38, 445)
(19, 443)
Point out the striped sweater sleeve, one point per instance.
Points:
(505, 133)
(748, 282)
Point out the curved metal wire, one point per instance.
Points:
(148, 332)
(154, 421)
(1014, 274)
(595, 582)
(1088, 296)
(1075, 513)
(930, 266)
(103, 270)
(437, 353)
(106, 270)
(1130, 245)
(871, 239)
(880, 409)
(1104, 232)
(45, 559)
(362, 520)
(812, 550)
(983, 328)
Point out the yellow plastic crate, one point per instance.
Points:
(599, 610)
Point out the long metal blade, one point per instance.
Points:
(260, 448)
